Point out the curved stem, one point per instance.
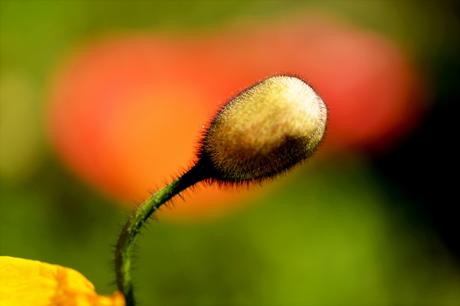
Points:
(129, 233)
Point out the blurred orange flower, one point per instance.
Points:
(126, 113)
(26, 282)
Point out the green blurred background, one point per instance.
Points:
(359, 230)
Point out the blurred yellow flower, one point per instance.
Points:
(26, 282)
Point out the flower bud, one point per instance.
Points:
(263, 131)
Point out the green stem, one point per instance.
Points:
(129, 233)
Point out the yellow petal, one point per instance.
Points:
(26, 282)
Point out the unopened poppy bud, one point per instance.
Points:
(263, 131)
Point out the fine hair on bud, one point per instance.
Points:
(263, 131)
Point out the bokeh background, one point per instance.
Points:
(101, 102)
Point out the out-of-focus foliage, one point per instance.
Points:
(335, 234)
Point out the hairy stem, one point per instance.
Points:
(129, 233)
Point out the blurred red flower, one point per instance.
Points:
(126, 113)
